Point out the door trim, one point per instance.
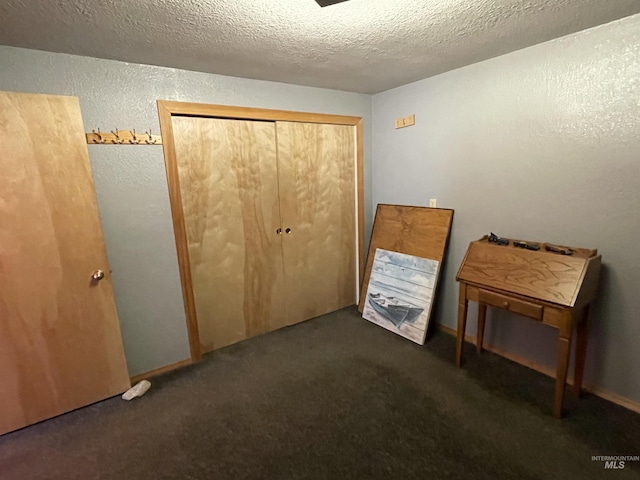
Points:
(167, 109)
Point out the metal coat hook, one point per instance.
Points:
(134, 140)
(151, 141)
(117, 139)
(99, 135)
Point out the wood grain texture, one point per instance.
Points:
(179, 230)
(589, 282)
(169, 109)
(482, 320)
(419, 231)
(316, 168)
(552, 314)
(511, 304)
(60, 343)
(537, 274)
(544, 285)
(229, 188)
(360, 198)
(564, 347)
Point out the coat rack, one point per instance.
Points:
(123, 137)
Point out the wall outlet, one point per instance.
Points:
(432, 203)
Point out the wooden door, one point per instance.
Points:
(229, 192)
(60, 343)
(316, 164)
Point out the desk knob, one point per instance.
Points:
(505, 304)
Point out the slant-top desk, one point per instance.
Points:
(549, 287)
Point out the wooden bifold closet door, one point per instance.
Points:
(317, 198)
(60, 343)
(229, 188)
(269, 213)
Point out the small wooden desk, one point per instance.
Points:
(551, 288)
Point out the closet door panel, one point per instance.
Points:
(60, 343)
(316, 168)
(228, 185)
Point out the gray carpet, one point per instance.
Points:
(332, 398)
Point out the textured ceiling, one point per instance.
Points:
(361, 45)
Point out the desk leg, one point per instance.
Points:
(482, 315)
(581, 352)
(564, 346)
(462, 321)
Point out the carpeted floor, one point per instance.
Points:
(333, 398)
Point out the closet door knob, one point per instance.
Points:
(97, 275)
(279, 231)
(288, 231)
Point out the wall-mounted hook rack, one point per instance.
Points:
(123, 137)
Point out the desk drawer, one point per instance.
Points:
(514, 305)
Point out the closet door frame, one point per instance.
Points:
(168, 109)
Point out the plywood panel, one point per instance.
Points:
(538, 274)
(169, 109)
(60, 343)
(228, 184)
(316, 165)
(419, 231)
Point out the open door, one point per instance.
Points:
(60, 342)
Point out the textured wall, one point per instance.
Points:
(541, 144)
(131, 183)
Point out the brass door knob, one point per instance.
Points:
(97, 275)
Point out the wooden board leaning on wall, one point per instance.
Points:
(419, 231)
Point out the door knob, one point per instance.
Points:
(279, 231)
(97, 275)
(288, 230)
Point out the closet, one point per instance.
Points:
(60, 343)
(267, 211)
